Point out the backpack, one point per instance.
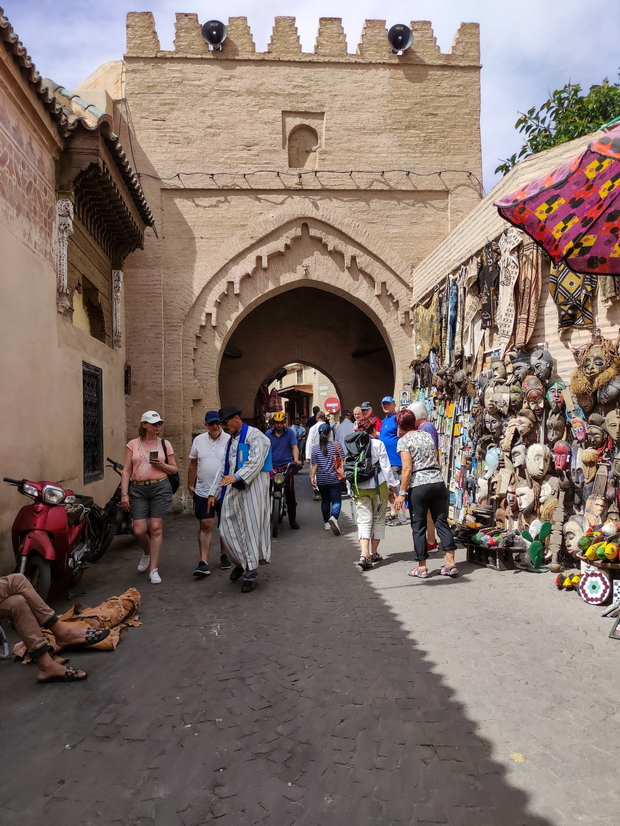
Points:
(358, 464)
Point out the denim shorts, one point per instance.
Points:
(150, 500)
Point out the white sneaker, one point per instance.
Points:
(154, 577)
(333, 524)
(327, 527)
(144, 563)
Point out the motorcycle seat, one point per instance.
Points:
(86, 501)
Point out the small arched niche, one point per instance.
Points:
(303, 144)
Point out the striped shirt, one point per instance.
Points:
(325, 473)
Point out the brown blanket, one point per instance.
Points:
(116, 613)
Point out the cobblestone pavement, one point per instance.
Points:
(327, 696)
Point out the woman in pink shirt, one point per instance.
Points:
(146, 490)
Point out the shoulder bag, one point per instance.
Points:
(338, 462)
(175, 479)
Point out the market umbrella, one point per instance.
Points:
(574, 211)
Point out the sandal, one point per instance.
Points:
(376, 558)
(420, 573)
(93, 636)
(71, 675)
(364, 563)
(451, 571)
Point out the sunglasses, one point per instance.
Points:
(212, 424)
(155, 424)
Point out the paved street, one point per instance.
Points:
(328, 696)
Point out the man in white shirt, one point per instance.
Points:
(206, 457)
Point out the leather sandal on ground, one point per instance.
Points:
(376, 558)
(365, 563)
(449, 570)
(71, 675)
(420, 573)
(93, 636)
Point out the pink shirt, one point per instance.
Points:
(141, 469)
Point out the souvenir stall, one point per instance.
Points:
(529, 425)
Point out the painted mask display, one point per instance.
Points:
(535, 401)
(556, 425)
(530, 383)
(561, 455)
(573, 530)
(516, 397)
(517, 455)
(578, 427)
(520, 364)
(554, 395)
(612, 425)
(541, 364)
(525, 499)
(537, 461)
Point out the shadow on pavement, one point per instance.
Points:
(304, 702)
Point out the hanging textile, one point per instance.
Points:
(460, 315)
(487, 281)
(529, 288)
(472, 319)
(445, 307)
(453, 298)
(423, 330)
(573, 295)
(435, 311)
(609, 289)
(508, 275)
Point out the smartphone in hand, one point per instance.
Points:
(153, 455)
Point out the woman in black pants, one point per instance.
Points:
(422, 479)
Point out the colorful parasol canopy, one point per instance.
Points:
(574, 211)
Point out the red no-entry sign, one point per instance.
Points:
(332, 405)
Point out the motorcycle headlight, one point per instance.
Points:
(278, 478)
(53, 495)
(30, 490)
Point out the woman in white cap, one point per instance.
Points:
(146, 489)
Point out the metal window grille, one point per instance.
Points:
(92, 390)
(300, 376)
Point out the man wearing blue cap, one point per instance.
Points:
(206, 457)
(389, 436)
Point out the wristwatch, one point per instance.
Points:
(402, 492)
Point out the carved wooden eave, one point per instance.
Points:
(107, 199)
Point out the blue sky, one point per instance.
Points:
(529, 48)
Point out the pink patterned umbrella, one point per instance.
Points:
(574, 211)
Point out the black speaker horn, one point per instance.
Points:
(400, 37)
(214, 32)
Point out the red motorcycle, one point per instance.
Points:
(58, 535)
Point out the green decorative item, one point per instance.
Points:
(585, 542)
(545, 531)
(537, 554)
(527, 535)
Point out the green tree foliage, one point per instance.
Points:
(566, 115)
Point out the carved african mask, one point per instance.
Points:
(541, 363)
(511, 498)
(498, 369)
(517, 455)
(489, 399)
(501, 396)
(596, 436)
(491, 461)
(573, 530)
(595, 362)
(578, 427)
(537, 460)
(520, 364)
(595, 510)
(493, 424)
(561, 455)
(516, 397)
(610, 391)
(556, 424)
(589, 460)
(612, 425)
(526, 422)
(535, 401)
(554, 396)
(525, 499)
(549, 489)
(615, 465)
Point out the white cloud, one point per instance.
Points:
(528, 48)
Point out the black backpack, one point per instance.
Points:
(358, 464)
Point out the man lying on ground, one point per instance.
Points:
(20, 602)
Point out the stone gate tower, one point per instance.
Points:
(293, 195)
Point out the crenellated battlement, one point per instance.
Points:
(330, 47)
